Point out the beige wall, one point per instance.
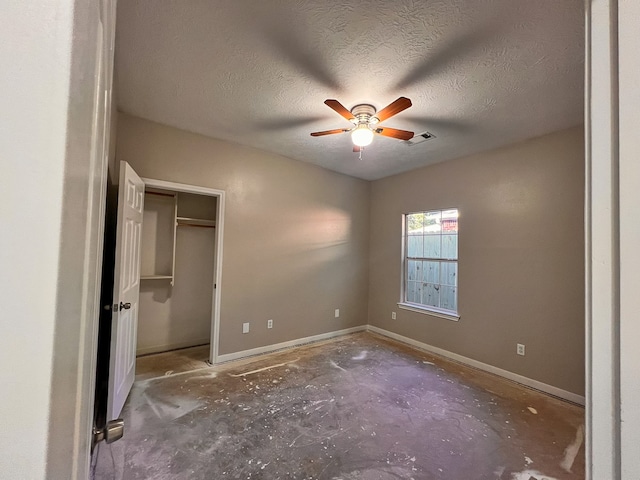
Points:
(295, 240)
(521, 256)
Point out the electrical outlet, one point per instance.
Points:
(520, 349)
(393, 315)
(245, 327)
(337, 314)
(269, 323)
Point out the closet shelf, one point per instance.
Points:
(156, 277)
(195, 222)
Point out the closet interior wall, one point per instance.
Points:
(177, 266)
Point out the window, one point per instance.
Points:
(431, 262)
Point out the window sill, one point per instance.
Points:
(436, 312)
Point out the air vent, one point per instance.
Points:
(419, 138)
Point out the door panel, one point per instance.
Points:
(126, 289)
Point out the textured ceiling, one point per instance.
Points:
(480, 74)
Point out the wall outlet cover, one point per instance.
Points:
(520, 349)
(337, 312)
(245, 327)
(393, 315)
(269, 323)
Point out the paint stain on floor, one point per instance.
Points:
(170, 363)
(357, 407)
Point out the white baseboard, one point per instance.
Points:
(556, 392)
(171, 346)
(227, 357)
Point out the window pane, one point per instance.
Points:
(449, 272)
(449, 221)
(431, 272)
(431, 295)
(414, 246)
(432, 246)
(448, 298)
(413, 270)
(450, 246)
(432, 222)
(413, 292)
(431, 254)
(415, 223)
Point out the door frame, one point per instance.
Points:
(612, 235)
(217, 260)
(88, 106)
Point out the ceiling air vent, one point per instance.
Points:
(419, 138)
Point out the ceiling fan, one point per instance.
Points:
(366, 119)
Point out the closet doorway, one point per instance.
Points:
(180, 275)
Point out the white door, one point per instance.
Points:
(126, 289)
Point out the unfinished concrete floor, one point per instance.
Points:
(357, 407)
(175, 361)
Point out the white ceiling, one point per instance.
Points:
(480, 74)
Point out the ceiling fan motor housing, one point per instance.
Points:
(364, 113)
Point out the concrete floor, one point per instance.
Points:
(357, 407)
(169, 363)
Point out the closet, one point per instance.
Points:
(176, 271)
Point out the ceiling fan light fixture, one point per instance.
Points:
(362, 135)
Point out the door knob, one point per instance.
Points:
(125, 306)
(111, 432)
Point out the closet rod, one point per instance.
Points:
(162, 194)
(195, 225)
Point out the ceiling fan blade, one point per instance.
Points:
(393, 108)
(339, 109)
(330, 132)
(394, 133)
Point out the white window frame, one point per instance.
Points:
(416, 307)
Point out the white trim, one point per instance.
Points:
(629, 198)
(172, 346)
(424, 310)
(217, 290)
(227, 357)
(181, 187)
(217, 263)
(602, 241)
(556, 392)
